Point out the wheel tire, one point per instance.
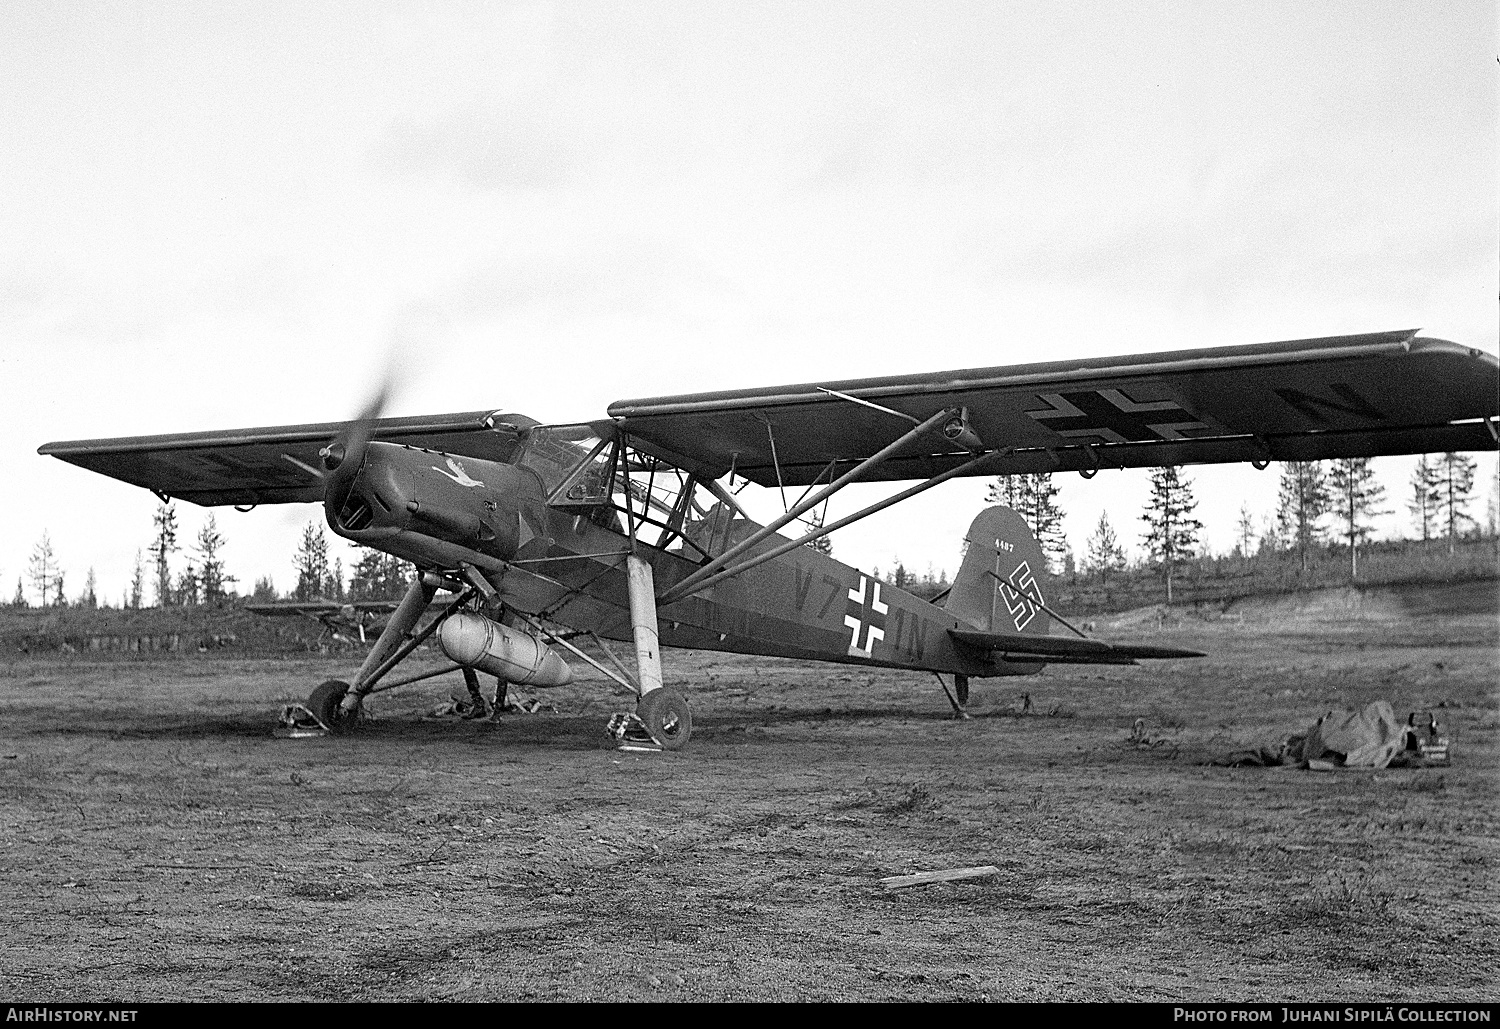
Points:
(667, 717)
(324, 702)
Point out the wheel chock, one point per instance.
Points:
(630, 732)
(297, 722)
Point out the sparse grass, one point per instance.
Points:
(156, 843)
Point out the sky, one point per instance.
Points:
(226, 215)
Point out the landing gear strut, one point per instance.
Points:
(662, 710)
(661, 713)
(960, 702)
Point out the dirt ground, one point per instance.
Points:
(156, 843)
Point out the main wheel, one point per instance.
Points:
(667, 718)
(324, 704)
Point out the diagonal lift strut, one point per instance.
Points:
(678, 592)
(712, 568)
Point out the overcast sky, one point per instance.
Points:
(215, 216)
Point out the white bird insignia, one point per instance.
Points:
(458, 475)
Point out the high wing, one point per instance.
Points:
(1063, 649)
(279, 464)
(1301, 400)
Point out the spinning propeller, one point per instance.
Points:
(417, 330)
(345, 453)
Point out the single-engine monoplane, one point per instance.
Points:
(627, 528)
(342, 621)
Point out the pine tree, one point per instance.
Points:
(397, 577)
(189, 587)
(162, 548)
(378, 576)
(1423, 504)
(137, 584)
(1171, 529)
(59, 599)
(311, 563)
(334, 588)
(42, 570)
(211, 577)
(1302, 504)
(1455, 483)
(1270, 541)
(1105, 553)
(1034, 498)
(1492, 516)
(90, 597)
(364, 575)
(1244, 533)
(1007, 490)
(823, 544)
(1356, 496)
(19, 600)
(264, 591)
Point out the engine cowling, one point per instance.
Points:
(464, 501)
(475, 641)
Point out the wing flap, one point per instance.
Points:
(1351, 396)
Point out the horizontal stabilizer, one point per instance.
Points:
(1064, 649)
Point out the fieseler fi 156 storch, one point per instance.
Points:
(626, 528)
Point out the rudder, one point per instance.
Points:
(1003, 581)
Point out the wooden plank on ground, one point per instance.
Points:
(946, 875)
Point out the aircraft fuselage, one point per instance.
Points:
(564, 559)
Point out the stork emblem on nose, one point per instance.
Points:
(458, 474)
(865, 616)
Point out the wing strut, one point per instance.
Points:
(801, 507)
(683, 588)
(560, 641)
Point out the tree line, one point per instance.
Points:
(1320, 504)
(202, 579)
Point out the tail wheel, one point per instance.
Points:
(667, 718)
(324, 704)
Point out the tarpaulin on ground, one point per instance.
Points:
(1370, 738)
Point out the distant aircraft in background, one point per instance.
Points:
(342, 621)
(627, 528)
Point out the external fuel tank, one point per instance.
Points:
(475, 641)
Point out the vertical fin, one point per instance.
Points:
(1003, 576)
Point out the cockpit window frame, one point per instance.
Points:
(572, 478)
(618, 457)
